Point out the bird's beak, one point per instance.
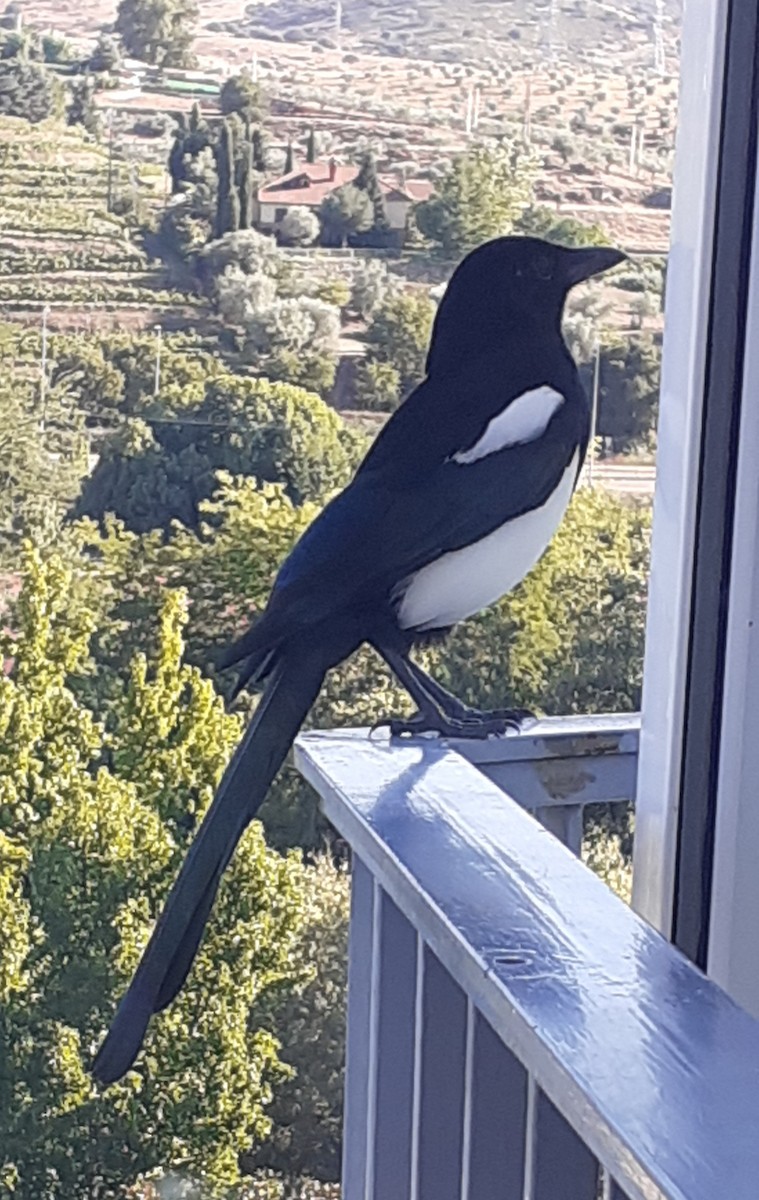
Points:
(591, 260)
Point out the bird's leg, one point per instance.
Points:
(456, 710)
(429, 718)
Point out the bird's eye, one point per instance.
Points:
(543, 267)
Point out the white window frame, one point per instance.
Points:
(696, 875)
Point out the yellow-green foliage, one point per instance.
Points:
(93, 823)
(570, 638)
(310, 1021)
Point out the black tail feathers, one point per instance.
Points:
(256, 652)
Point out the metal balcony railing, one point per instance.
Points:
(516, 1032)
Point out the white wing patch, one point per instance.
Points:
(462, 582)
(523, 420)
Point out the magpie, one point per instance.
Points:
(455, 501)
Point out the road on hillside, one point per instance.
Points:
(631, 479)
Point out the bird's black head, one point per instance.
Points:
(510, 286)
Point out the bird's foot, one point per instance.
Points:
(506, 718)
(479, 725)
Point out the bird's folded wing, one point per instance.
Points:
(376, 533)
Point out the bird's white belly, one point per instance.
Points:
(461, 583)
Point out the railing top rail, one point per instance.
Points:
(656, 1068)
(599, 735)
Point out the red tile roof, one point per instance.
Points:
(309, 183)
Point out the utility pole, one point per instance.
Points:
(527, 129)
(551, 31)
(594, 412)
(43, 369)
(469, 110)
(157, 379)
(633, 148)
(109, 198)
(660, 62)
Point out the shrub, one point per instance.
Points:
(397, 338)
(309, 1021)
(335, 292)
(29, 90)
(371, 285)
(96, 823)
(151, 474)
(298, 227)
(239, 94)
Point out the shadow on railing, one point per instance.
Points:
(516, 1032)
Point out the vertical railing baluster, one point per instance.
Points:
(607, 1183)
(466, 1137)
(395, 1055)
(442, 1083)
(357, 1048)
(416, 1100)
(372, 1064)
(530, 1139)
(498, 1106)
(565, 1169)
(565, 821)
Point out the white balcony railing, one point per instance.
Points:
(515, 1031)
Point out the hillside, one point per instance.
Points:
(478, 31)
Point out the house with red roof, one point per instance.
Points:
(310, 183)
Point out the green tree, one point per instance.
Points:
(82, 368)
(298, 227)
(158, 31)
(247, 187)
(311, 146)
(82, 109)
(22, 43)
(253, 253)
(191, 137)
(42, 459)
(346, 211)
(480, 197)
(97, 820)
(397, 340)
(628, 402)
(240, 94)
(29, 90)
(259, 150)
(288, 158)
(186, 227)
(225, 167)
(367, 181)
(309, 1021)
(541, 221)
(56, 49)
(153, 473)
(106, 55)
(371, 284)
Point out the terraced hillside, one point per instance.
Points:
(59, 244)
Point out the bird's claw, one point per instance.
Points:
(475, 724)
(507, 718)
